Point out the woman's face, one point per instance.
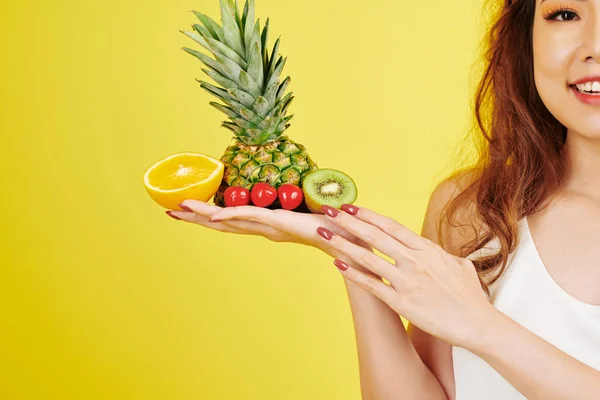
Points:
(566, 51)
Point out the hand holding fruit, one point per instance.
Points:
(275, 225)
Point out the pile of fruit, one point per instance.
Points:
(323, 186)
(263, 167)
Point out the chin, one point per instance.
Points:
(575, 115)
(588, 129)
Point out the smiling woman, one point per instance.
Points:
(103, 296)
(483, 307)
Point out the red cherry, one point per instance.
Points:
(236, 196)
(290, 196)
(263, 194)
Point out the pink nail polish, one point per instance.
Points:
(172, 216)
(215, 220)
(325, 233)
(340, 264)
(330, 211)
(350, 209)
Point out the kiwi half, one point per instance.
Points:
(328, 187)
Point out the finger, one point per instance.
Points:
(200, 207)
(388, 225)
(368, 282)
(369, 233)
(359, 255)
(204, 209)
(237, 226)
(250, 213)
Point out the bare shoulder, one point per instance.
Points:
(435, 353)
(460, 228)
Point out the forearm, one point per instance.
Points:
(390, 368)
(535, 367)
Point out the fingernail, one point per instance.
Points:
(172, 216)
(215, 220)
(325, 233)
(340, 264)
(185, 208)
(350, 209)
(330, 211)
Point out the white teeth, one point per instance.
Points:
(589, 86)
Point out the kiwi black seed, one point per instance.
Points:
(328, 187)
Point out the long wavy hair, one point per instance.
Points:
(519, 142)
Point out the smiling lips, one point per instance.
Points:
(587, 90)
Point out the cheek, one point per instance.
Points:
(550, 78)
(555, 54)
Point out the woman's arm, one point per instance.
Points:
(535, 367)
(390, 368)
(394, 364)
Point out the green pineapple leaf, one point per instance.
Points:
(231, 69)
(231, 30)
(248, 84)
(261, 106)
(268, 124)
(264, 37)
(233, 127)
(226, 51)
(216, 91)
(275, 111)
(255, 65)
(277, 72)
(250, 115)
(207, 60)
(213, 28)
(220, 79)
(248, 26)
(201, 30)
(271, 92)
(242, 123)
(282, 88)
(226, 110)
(244, 19)
(286, 104)
(237, 106)
(255, 133)
(241, 96)
(197, 38)
(237, 17)
(273, 57)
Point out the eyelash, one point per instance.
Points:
(551, 15)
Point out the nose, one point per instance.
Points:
(590, 45)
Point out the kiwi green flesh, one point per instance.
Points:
(328, 187)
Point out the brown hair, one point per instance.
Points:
(519, 141)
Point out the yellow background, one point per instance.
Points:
(103, 296)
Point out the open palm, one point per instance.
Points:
(276, 225)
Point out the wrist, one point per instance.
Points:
(486, 327)
(363, 299)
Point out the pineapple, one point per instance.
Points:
(254, 97)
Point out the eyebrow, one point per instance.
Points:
(577, 0)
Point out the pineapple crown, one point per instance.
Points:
(249, 78)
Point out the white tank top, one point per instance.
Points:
(528, 294)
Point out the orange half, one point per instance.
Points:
(183, 176)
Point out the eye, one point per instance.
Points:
(562, 15)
